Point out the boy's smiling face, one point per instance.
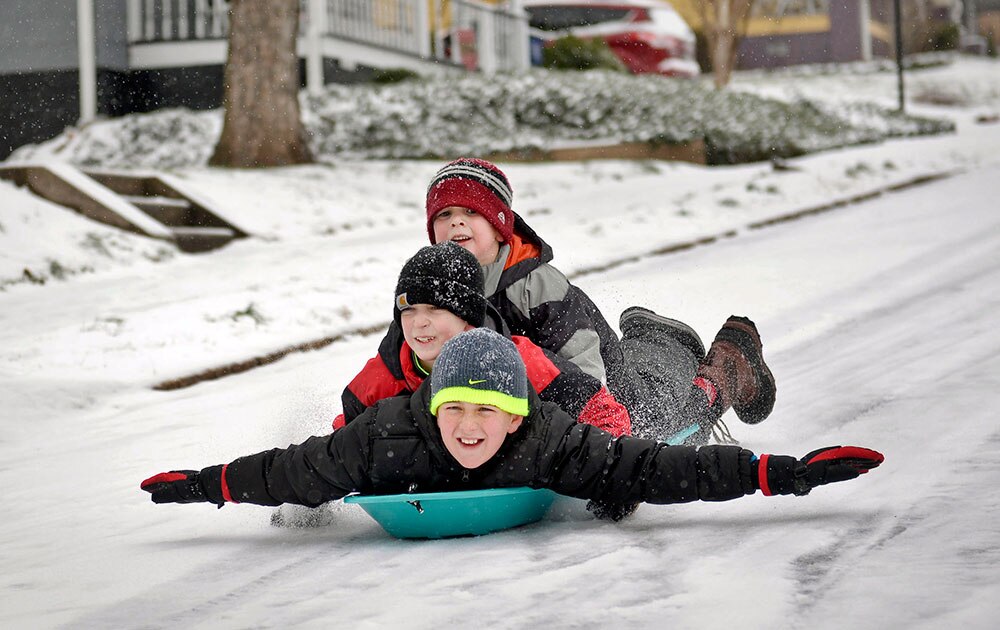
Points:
(469, 229)
(473, 433)
(426, 328)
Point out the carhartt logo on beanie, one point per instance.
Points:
(474, 184)
(481, 367)
(443, 275)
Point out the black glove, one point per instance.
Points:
(186, 486)
(610, 510)
(781, 474)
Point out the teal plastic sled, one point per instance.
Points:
(464, 513)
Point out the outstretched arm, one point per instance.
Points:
(320, 469)
(591, 464)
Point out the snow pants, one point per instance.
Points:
(654, 382)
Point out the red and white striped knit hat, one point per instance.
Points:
(474, 184)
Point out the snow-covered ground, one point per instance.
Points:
(877, 320)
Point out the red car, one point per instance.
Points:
(648, 36)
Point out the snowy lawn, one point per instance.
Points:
(877, 321)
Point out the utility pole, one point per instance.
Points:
(86, 47)
(899, 53)
(865, 15)
(316, 13)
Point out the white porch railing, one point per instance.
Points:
(402, 25)
(166, 20)
(496, 38)
(468, 33)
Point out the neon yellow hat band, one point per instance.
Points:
(506, 402)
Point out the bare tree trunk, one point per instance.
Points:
(740, 17)
(723, 43)
(263, 125)
(724, 22)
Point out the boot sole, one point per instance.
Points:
(676, 329)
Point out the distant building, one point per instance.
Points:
(792, 32)
(63, 62)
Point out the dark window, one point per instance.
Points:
(559, 17)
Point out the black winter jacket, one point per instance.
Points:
(395, 447)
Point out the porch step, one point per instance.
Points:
(151, 204)
(65, 185)
(166, 210)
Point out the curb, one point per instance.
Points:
(212, 374)
(249, 364)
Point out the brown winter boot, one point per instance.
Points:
(735, 370)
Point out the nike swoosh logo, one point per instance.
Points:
(472, 382)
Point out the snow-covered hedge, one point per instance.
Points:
(479, 115)
(474, 114)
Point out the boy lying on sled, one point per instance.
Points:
(476, 423)
(658, 370)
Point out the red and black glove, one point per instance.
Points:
(782, 474)
(187, 486)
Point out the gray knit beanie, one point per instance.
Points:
(482, 367)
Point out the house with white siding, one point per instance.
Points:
(65, 62)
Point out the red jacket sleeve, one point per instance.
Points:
(373, 383)
(576, 392)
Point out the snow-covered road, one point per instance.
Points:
(878, 321)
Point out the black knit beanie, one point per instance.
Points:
(443, 275)
(481, 367)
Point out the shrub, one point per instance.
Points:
(478, 114)
(573, 53)
(946, 38)
(393, 75)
